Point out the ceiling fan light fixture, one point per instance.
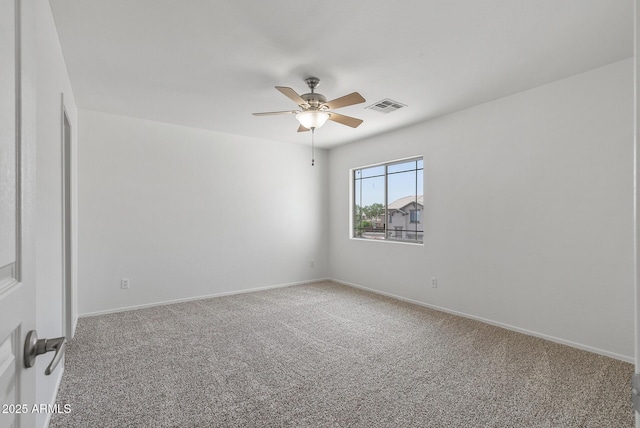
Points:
(312, 119)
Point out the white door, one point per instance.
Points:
(17, 270)
(636, 142)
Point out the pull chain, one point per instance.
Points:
(313, 161)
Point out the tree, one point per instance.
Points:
(374, 211)
(359, 220)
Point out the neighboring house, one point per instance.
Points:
(406, 217)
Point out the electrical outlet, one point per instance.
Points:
(124, 283)
(434, 282)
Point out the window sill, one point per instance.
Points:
(390, 241)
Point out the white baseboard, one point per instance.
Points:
(189, 299)
(625, 358)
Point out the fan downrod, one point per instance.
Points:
(312, 82)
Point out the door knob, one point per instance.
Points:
(34, 347)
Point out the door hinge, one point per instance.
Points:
(635, 391)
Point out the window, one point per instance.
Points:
(388, 201)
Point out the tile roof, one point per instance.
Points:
(398, 204)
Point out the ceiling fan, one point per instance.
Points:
(315, 107)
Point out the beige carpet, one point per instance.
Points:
(326, 355)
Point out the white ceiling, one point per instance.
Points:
(210, 64)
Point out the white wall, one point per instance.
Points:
(528, 212)
(52, 80)
(184, 212)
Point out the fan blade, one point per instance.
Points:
(345, 120)
(293, 96)
(271, 113)
(347, 100)
(303, 129)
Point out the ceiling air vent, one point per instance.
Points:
(386, 106)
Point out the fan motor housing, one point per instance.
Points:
(313, 99)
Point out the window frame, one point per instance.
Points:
(352, 202)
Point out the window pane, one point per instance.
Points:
(401, 185)
(369, 209)
(372, 172)
(404, 166)
(404, 205)
(418, 218)
(357, 205)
